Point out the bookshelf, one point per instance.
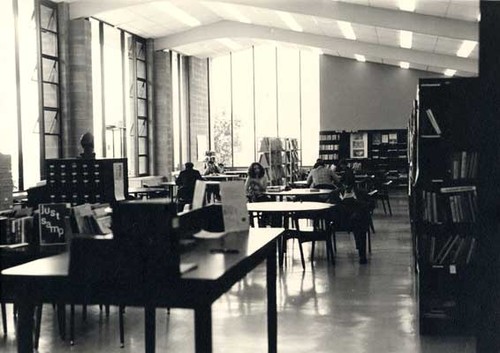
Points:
(6, 184)
(280, 159)
(386, 151)
(444, 201)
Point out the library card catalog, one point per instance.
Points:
(52, 223)
(234, 206)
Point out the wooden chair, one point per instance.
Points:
(383, 196)
(340, 223)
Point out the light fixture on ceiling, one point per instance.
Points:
(478, 17)
(405, 39)
(360, 57)
(180, 15)
(450, 72)
(231, 44)
(407, 5)
(236, 13)
(290, 21)
(466, 48)
(404, 64)
(347, 30)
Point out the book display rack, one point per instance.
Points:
(444, 201)
(280, 159)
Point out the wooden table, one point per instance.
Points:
(298, 193)
(47, 280)
(220, 177)
(148, 192)
(170, 186)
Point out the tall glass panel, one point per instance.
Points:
(310, 107)
(8, 99)
(220, 108)
(288, 93)
(29, 93)
(184, 108)
(130, 102)
(96, 88)
(265, 92)
(113, 91)
(175, 111)
(243, 122)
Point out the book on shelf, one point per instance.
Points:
(432, 120)
(264, 160)
(464, 165)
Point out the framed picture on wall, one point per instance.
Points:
(359, 145)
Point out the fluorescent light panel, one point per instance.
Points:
(231, 44)
(347, 30)
(180, 15)
(235, 13)
(466, 48)
(405, 39)
(360, 57)
(289, 21)
(450, 72)
(404, 64)
(407, 5)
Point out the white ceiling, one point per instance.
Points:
(438, 26)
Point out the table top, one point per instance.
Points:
(167, 183)
(236, 172)
(145, 190)
(299, 192)
(220, 177)
(287, 207)
(209, 266)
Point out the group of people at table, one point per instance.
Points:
(353, 205)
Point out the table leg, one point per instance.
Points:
(272, 317)
(25, 327)
(150, 328)
(203, 329)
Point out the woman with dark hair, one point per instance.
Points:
(256, 183)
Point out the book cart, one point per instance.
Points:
(444, 162)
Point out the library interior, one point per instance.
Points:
(241, 176)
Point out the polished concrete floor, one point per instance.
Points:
(343, 308)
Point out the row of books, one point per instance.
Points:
(329, 137)
(92, 218)
(457, 249)
(464, 165)
(462, 205)
(271, 144)
(329, 147)
(15, 230)
(330, 157)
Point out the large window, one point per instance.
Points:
(263, 92)
(29, 97)
(120, 96)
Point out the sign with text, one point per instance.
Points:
(52, 223)
(234, 206)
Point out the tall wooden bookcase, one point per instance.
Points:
(444, 160)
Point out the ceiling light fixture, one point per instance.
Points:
(407, 5)
(450, 72)
(237, 14)
(231, 44)
(347, 30)
(360, 57)
(405, 39)
(466, 48)
(404, 64)
(180, 15)
(290, 21)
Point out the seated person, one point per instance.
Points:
(346, 172)
(352, 212)
(221, 168)
(211, 167)
(256, 183)
(87, 142)
(186, 182)
(322, 177)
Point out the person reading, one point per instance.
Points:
(322, 177)
(186, 182)
(211, 167)
(256, 183)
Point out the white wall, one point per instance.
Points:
(364, 96)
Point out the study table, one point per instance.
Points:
(298, 193)
(148, 192)
(220, 177)
(47, 280)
